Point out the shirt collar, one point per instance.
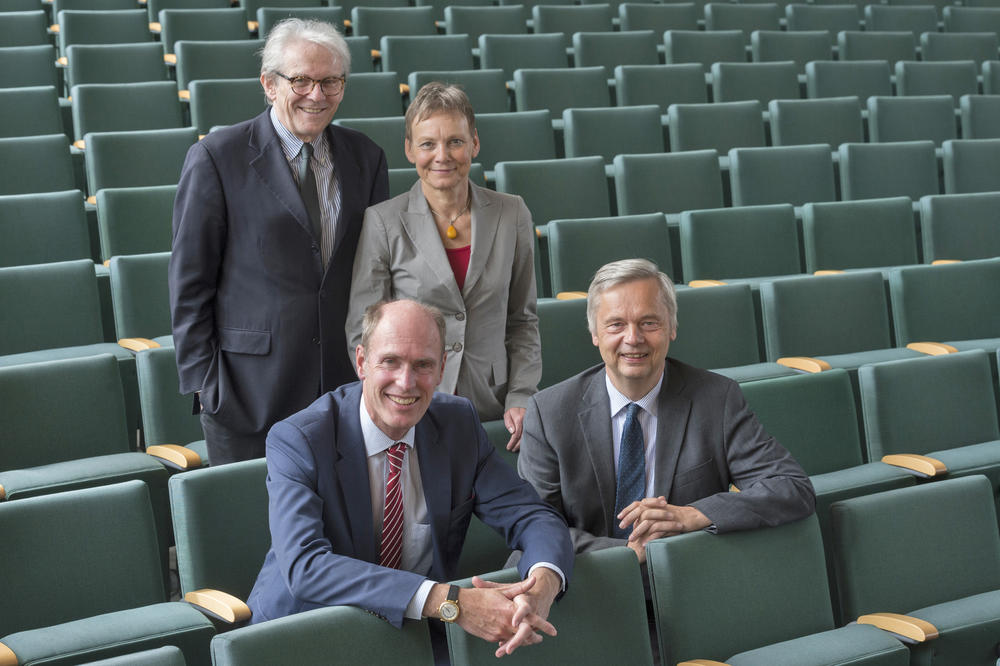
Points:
(291, 145)
(619, 401)
(377, 441)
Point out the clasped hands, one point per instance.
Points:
(510, 614)
(653, 518)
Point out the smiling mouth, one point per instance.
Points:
(311, 110)
(634, 356)
(402, 401)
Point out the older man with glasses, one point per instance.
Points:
(266, 223)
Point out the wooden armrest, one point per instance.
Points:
(404, 88)
(154, 26)
(921, 464)
(931, 348)
(909, 627)
(804, 363)
(80, 144)
(170, 58)
(701, 662)
(3, 496)
(827, 271)
(941, 262)
(218, 603)
(184, 95)
(347, 23)
(695, 284)
(54, 28)
(62, 61)
(180, 457)
(252, 26)
(137, 344)
(7, 656)
(201, 136)
(92, 200)
(376, 54)
(570, 295)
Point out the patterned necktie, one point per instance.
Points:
(631, 484)
(310, 194)
(392, 521)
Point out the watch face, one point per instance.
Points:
(449, 611)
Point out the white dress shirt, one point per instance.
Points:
(647, 418)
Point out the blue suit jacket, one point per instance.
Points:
(324, 550)
(258, 321)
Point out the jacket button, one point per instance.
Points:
(457, 347)
(315, 248)
(460, 316)
(315, 341)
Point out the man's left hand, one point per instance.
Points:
(653, 518)
(532, 611)
(513, 418)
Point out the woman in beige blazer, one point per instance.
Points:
(464, 249)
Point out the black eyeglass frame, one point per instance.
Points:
(341, 82)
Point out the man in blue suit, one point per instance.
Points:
(329, 479)
(266, 223)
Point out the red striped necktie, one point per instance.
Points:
(392, 522)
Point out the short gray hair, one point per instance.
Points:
(373, 315)
(290, 30)
(617, 273)
(437, 97)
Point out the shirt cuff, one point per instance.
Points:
(415, 609)
(549, 565)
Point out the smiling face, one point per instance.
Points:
(442, 147)
(633, 331)
(400, 368)
(305, 116)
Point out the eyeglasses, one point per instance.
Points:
(303, 85)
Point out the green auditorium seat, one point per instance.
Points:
(662, 85)
(555, 189)
(518, 135)
(114, 63)
(717, 329)
(567, 348)
(218, 24)
(27, 28)
(960, 226)
(569, 19)
(36, 164)
(221, 527)
(739, 243)
(830, 17)
(370, 95)
(800, 46)
(911, 118)
(814, 323)
(607, 597)
(876, 170)
(167, 421)
(915, 19)
(349, 5)
(43, 227)
(268, 16)
(744, 17)
(141, 300)
(891, 46)
(980, 116)
(514, 52)
(377, 22)
(830, 120)
(386, 132)
(228, 59)
(85, 26)
(848, 78)
(29, 111)
(703, 586)
(577, 248)
(705, 47)
(971, 165)
(19, 6)
(955, 78)
(486, 88)
(135, 220)
(719, 126)
(361, 54)
(611, 49)
(871, 233)
(439, 6)
(956, 304)
(136, 159)
(413, 53)
(972, 19)
(659, 17)
(481, 20)
(814, 416)
(694, 175)
(218, 102)
(761, 81)
(612, 131)
(251, 7)
(121, 107)
(942, 573)
(91, 5)
(944, 46)
(154, 7)
(29, 66)
(558, 89)
(84, 568)
(781, 174)
(351, 634)
(168, 655)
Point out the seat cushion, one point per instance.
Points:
(969, 628)
(854, 644)
(754, 371)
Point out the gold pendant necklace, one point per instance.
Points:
(451, 232)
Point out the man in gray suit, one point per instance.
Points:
(643, 446)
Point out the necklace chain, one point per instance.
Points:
(451, 232)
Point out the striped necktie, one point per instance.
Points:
(392, 522)
(631, 484)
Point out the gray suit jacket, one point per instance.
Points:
(494, 353)
(707, 438)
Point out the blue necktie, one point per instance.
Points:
(631, 484)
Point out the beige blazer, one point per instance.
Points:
(494, 353)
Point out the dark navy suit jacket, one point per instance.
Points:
(323, 546)
(258, 323)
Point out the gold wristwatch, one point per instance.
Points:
(449, 608)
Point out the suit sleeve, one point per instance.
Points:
(313, 571)
(372, 278)
(538, 463)
(199, 239)
(524, 349)
(774, 489)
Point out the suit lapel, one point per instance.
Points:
(672, 417)
(418, 224)
(485, 222)
(594, 418)
(435, 474)
(272, 168)
(347, 172)
(351, 465)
